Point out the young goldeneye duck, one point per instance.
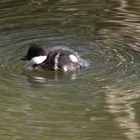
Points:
(57, 59)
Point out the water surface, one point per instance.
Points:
(101, 102)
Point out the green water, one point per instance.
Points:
(99, 103)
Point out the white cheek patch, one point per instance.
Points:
(73, 58)
(38, 59)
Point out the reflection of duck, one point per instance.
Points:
(57, 59)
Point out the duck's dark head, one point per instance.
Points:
(36, 54)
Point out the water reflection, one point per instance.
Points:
(120, 101)
(49, 105)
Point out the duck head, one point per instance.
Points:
(36, 54)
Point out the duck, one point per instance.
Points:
(54, 59)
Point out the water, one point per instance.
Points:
(101, 102)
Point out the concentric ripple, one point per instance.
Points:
(110, 49)
(69, 106)
(111, 53)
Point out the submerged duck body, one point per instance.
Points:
(54, 59)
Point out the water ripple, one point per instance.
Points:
(78, 105)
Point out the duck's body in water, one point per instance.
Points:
(54, 59)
